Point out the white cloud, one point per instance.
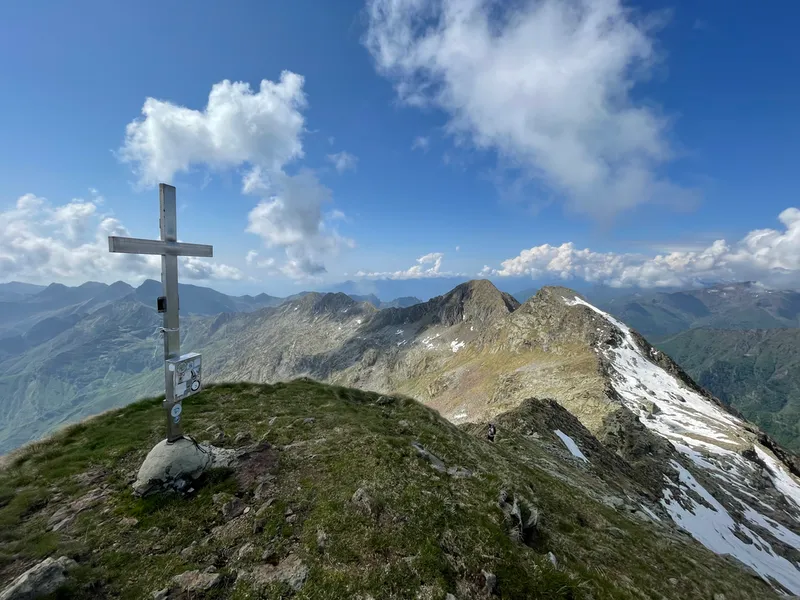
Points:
(417, 271)
(767, 255)
(237, 126)
(292, 220)
(253, 259)
(458, 248)
(69, 243)
(258, 132)
(546, 84)
(421, 142)
(337, 215)
(343, 161)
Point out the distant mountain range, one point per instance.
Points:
(66, 352)
(674, 452)
(726, 306)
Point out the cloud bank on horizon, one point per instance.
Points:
(70, 242)
(770, 256)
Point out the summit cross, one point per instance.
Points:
(181, 372)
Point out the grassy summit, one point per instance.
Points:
(355, 495)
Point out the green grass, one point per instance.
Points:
(428, 534)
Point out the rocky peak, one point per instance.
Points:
(550, 321)
(478, 301)
(317, 303)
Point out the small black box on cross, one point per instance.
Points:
(162, 304)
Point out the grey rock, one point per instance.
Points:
(232, 509)
(162, 594)
(241, 437)
(490, 582)
(651, 408)
(58, 516)
(170, 466)
(262, 491)
(272, 421)
(322, 539)
(187, 552)
(258, 526)
(91, 499)
(291, 570)
(450, 597)
(129, 521)
(362, 501)
(552, 558)
(245, 551)
(40, 580)
(64, 523)
(263, 510)
(434, 460)
(309, 420)
(195, 581)
(719, 596)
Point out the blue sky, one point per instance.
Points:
(692, 125)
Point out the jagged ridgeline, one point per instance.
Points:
(629, 477)
(339, 493)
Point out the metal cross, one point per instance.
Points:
(170, 249)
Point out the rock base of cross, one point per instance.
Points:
(173, 466)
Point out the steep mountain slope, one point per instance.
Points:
(725, 306)
(757, 371)
(348, 494)
(473, 354)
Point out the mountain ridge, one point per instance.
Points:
(475, 353)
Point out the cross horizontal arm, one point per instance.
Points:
(139, 246)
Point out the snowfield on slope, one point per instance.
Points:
(571, 445)
(709, 438)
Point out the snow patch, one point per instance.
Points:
(714, 528)
(780, 477)
(571, 445)
(455, 345)
(460, 416)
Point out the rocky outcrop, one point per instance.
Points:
(173, 466)
(40, 580)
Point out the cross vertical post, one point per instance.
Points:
(169, 281)
(181, 372)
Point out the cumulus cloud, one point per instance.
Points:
(421, 142)
(260, 133)
(343, 161)
(546, 84)
(42, 242)
(429, 265)
(253, 258)
(770, 256)
(237, 126)
(292, 219)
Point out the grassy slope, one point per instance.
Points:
(756, 371)
(429, 533)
